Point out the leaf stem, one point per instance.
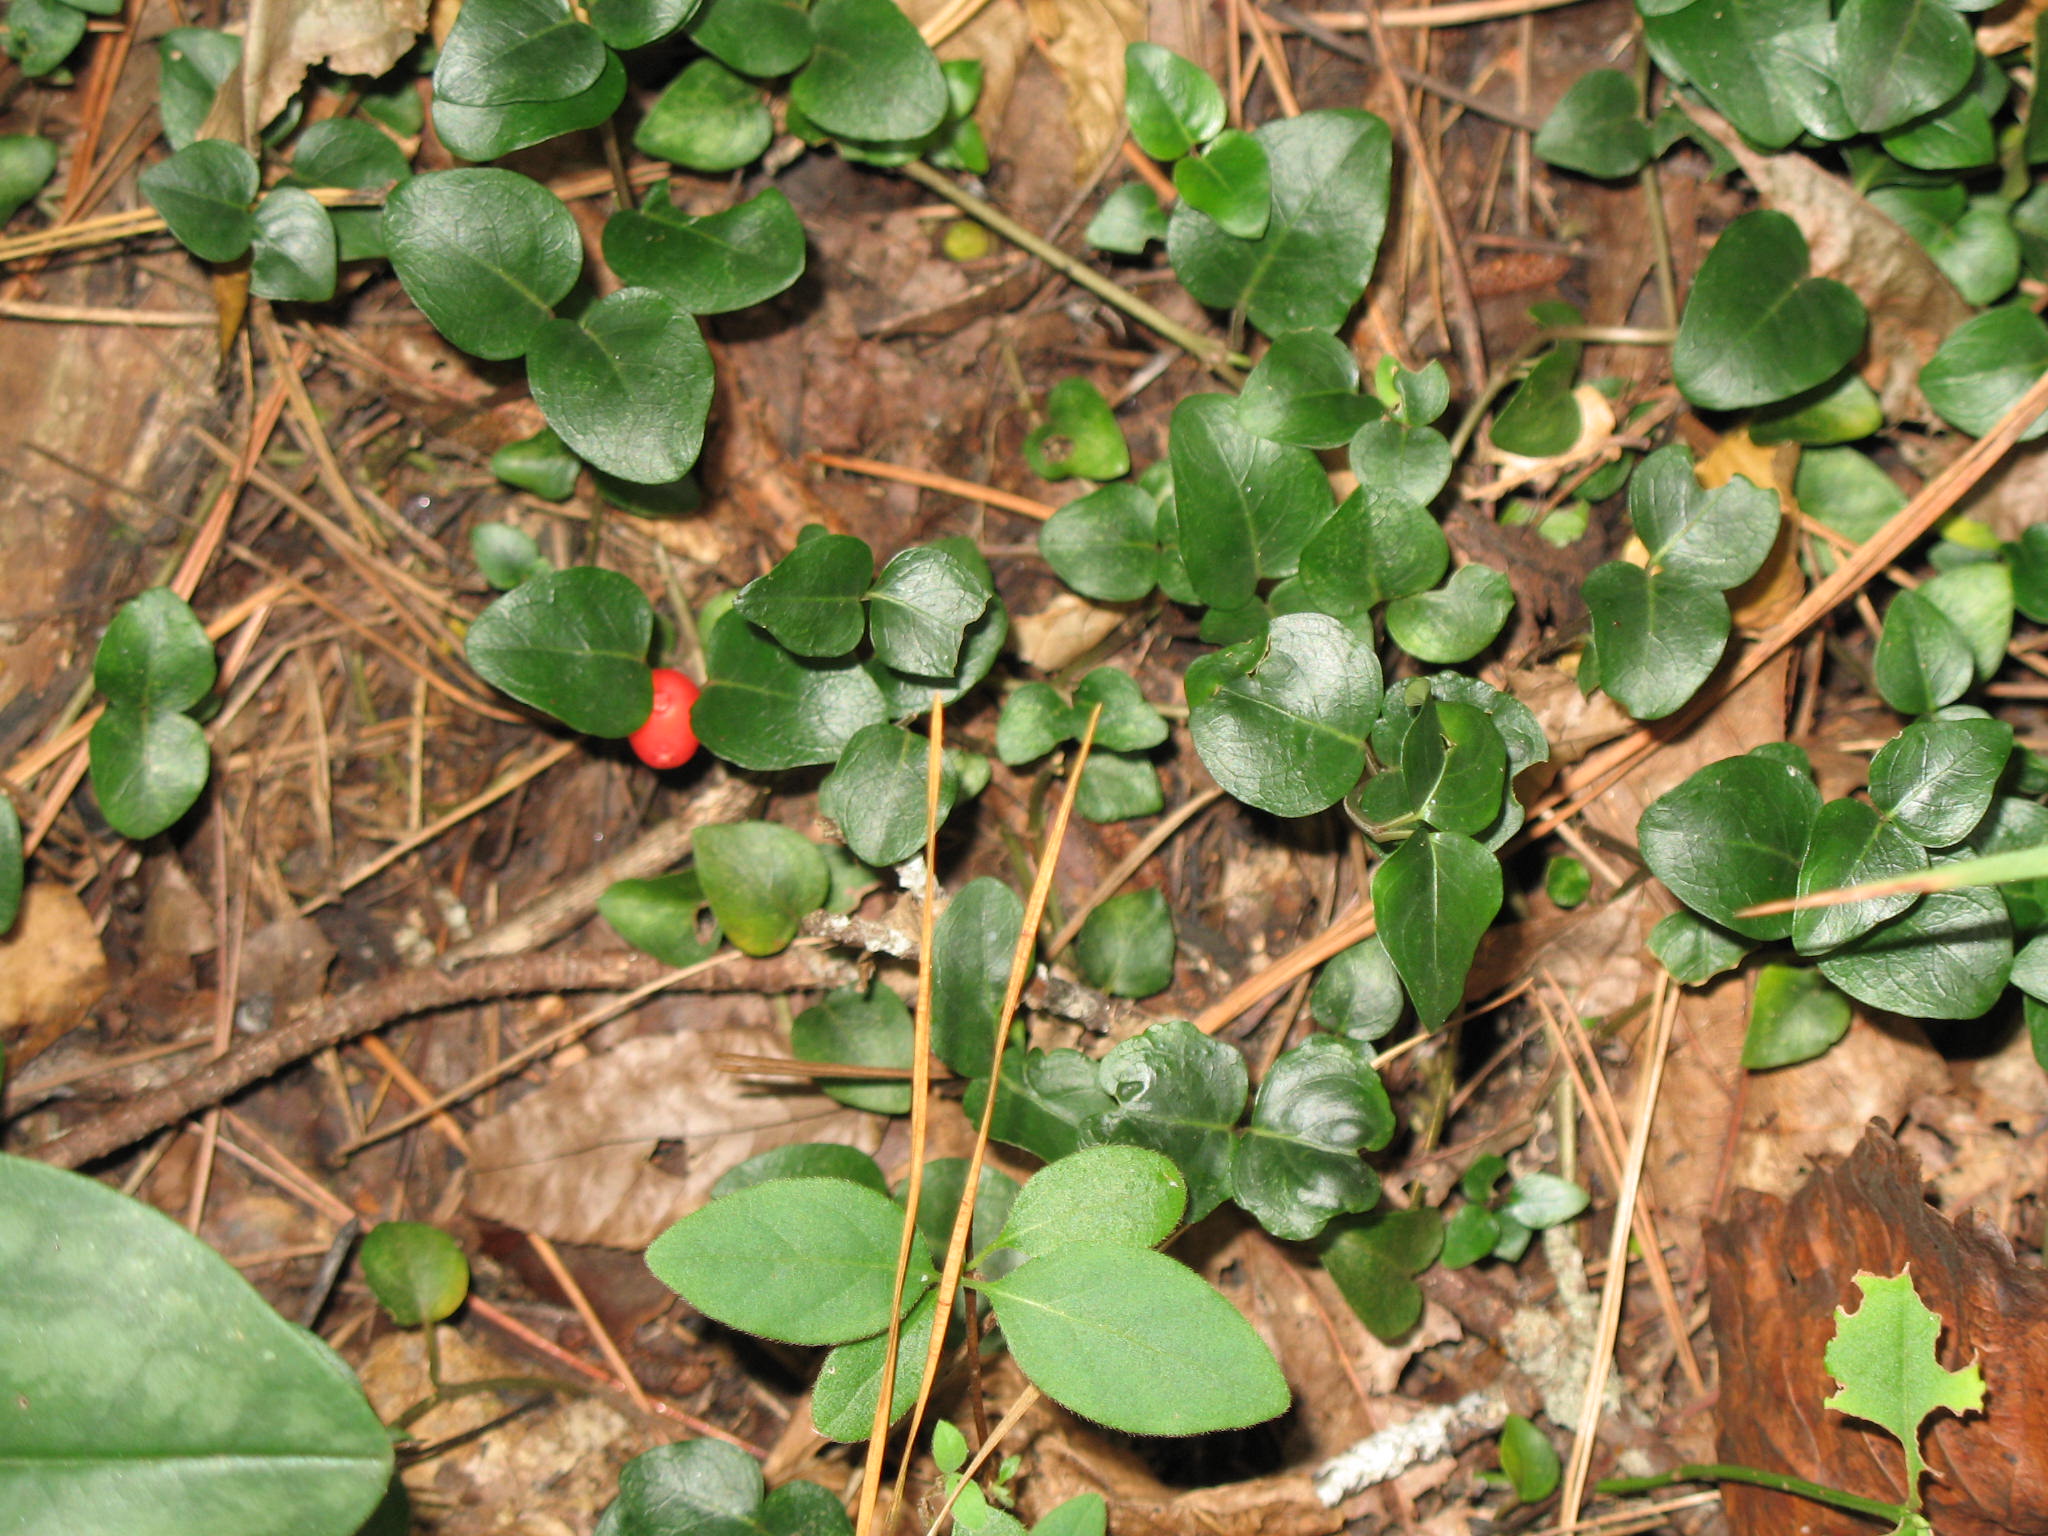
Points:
(1725, 1472)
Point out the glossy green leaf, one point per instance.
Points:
(1541, 1200)
(870, 1029)
(710, 265)
(1598, 128)
(204, 192)
(485, 133)
(1851, 844)
(1106, 1194)
(572, 644)
(710, 1488)
(148, 767)
(627, 384)
(1843, 410)
(1117, 786)
(1436, 896)
(919, 609)
(1180, 1093)
(1896, 59)
(484, 253)
(1984, 366)
(1298, 1164)
(765, 709)
(1373, 1259)
(1718, 538)
(1659, 637)
(2028, 561)
(1047, 1098)
(1035, 719)
(1129, 220)
(1376, 546)
(1304, 392)
(155, 654)
(1103, 545)
(1173, 105)
(708, 119)
(1734, 52)
(806, 1261)
(1330, 173)
(1529, 1460)
(849, 1383)
(1079, 436)
(40, 34)
(1936, 778)
(417, 1272)
(1694, 950)
(1244, 506)
(1883, 1359)
(1358, 992)
(636, 23)
(1567, 881)
(193, 63)
(11, 866)
(1468, 767)
(1971, 239)
(1978, 600)
(658, 916)
(762, 879)
(871, 76)
(201, 1411)
(1394, 460)
(802, 1160)
(1541, 419)
(763, 38)
(1730, 837)
(972, 945)
(1229, 181)
(544, 466)
(1128, 723)
(810, 601)
(295, 255)
(1287, 733)
(1469, 1236)
(1922, 660)
(876, 793)
(1134, 1340)
(1794, 1016)
(1126, 946)
(503, 51)
(1455, 622)
(1848, 492)
(1947, 957)
(26, 165)
(1756, 327)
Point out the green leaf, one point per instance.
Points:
(1079, 436)
(1840, 411)
(1936, 779)
(1298, 1164)
(1128, 221)
(768, 710)
(1231, 182)
(2028, 560)
(1567, 881)
(1103, 544)
(1978, 600)
(1304, 393)
(849, 1383)
(1848, 492)
(871, 75)
(866, 1030)
(485, 133)
(295, 254)
(689, 1488)
(1134, 1340)
(1287, 732)
(1109, 1194)
(1126, 946)
(1883, 1360)
(1694, 950)
(876, 793)
(572, 644)
(1085, 1514)
(504, 51)
(627, 384)
(193, 63)
(658, 916)
(542, 465)
(1971, 239)
(761, 879)
(802, 1160)
(1984, 366)
(1659, 636)
(1436, 895)
(484, 253)
(1757, 328)
(417, 1272)
(1922, 660)
(1541, 418)
(919, 609)
(972, 945)
(1718, 538)
(1794, 1016)
(1468, 767)
(1851, 844)
(810, 601)
(1455, 622)
(938, 1204)
(636, 23)
(1391, 459)
(155, 654)
(1735, 53)
(1470, 1236)
(1358, 992)
(708, 119)
(806, 1261)
(1947, 957)
(204, 192)
(1172, 104)
(1376, 546)
(11, 868)
(1897, 59)
(26, 166)
(1245, 507)
(1598, 128)
(1118, 786)
(1047, 1097)
(1540, 1200)
(1178, 1092)
(1035, 719)
(1128, 723)
(1730, 837)
(710, 265)
(148, 767)
(201, 1411)
(1529, 1460)
(1373, 1259)
(763, 38)
(40, 34)
(1330, 174)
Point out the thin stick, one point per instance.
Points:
(931, 480)
(1463, 14)
(605, 1345)
(1130, 864)
(86, 314)
(1354, 925)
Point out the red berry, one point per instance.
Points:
(666, 740)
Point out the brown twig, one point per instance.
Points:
(930, 480)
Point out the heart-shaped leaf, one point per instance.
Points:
(1936, 778)
(1436, 895)
(1104, 545)
(572, 644)
(871, 75)
(810, 599)
(972, 945)
(295, 254)
(709, 265)
(505, 51)
(1172, 104)
(485, 133)
(1391, 458)
(1738, 56)
(40, 34)
(1598, 128)
(762, 38)
(1358, 992)
(1128, 723)
(1694, 950)
(768, 710)
(1658, 637)
(1794, 1016)
(1117, 786)
(1035, 719)
(636, 23)
(1717, 538)
(1851, 844)
(484, 253)
(1455, 622)
(1896, 59)
(1304, 392)
(1129, 220)
(1373, 1258)
(762, 879)
(1946, 957)
(193, 63)
(148, 767)
(417, 1272)
(709, 119)
(1922, 660)
(1732, 836)
(1231, 182)
(1180, 1093)
(204, 192)
(1126, 946)
(541, 465)
(1983, 366)
(1244, 506)
(1978, 599)
(1079, 436)
(155, 654)
(919, 609)
(1298, 1164)
(627, 384)
(870, 1029)
(876, 793)
(658, 916)
(1376, 546)
(1047, 1097)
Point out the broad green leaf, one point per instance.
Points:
(1418, 396)
(1358, 992)
(1851, 844)
(26, 165)
(1794, 1016)
(1395, 460)
(1540, 1200)
(1129, 220)
(1085, 1514)
(1848, 492)
(542, 465)
(1109, 1194)
(295, 255)
(1079, 436)
(1936, 779)
(709, 119)
(765, 709)
(1244, 506)
(1897, 59)
(1035, 719)
(876, 793)
(1298, 1163)
(1978, 600)
(417, 1272)
(1732, 836)
(1946, 957)
(1984, 366)
(1659, 636)
(1883, 1360)
(1718, 538)
(710, 265)
(1126, 946)
(1529, 1460)
(919, 609)
(1922, 660)
(1128, 722)
(1541, 418)
(199, 1411)
(155, 654)
(484, 253)
(1971, 239)
(1435, 895)
(1178, 1092)
(1118, 786)
(204, 192)
(688, 1488)
(1843, 410)
(763, 38)
(485, 133)
(627, 384)
(806, 1261)
(1598, 128)
(972, 945)
(802, 1160)
(40, 34)
(1376, 546)
(1103, 545)
(1229, 181)
(810, 601)
(1735, 53)
(1958, 137)
(193, 63)
(1455, 622)
(1173, 105)
(1469, 1236)
(572, 644)
(1330, 174)
(1134, 1340)
(1047, 1097)
(849, 1383)
(504, 51)
(658, 916)
(866, 1030)
(1756, 327)
(1304, 392)
(1694, 950)
(11, 870)
(1287, 733)
(1469, 769)
(1373, 1259)
(636, 23)
(2028, 562)
(871, 76)
(148, 767)
(761, 879)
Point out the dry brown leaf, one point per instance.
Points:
(1061, 630)
(284, 965)
(1085, 41)
(51, 966)
(177, 921)
(284, 38)
(573, 1160)
(1776, 588)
